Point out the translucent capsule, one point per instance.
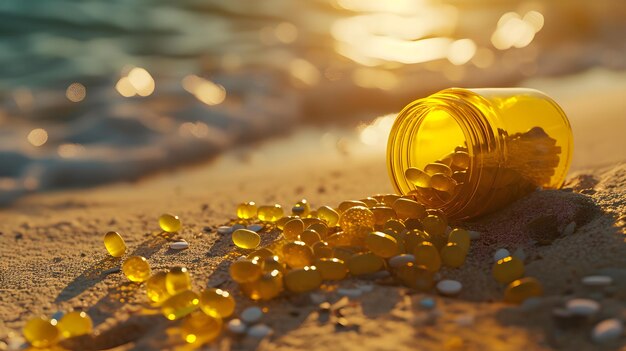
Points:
(453, 255)
(246, 239)
(293, 228)
(339, 239)
(170, 223)
(414, 276)
(331, 268)
(319, 228)
(263, 252)
(114, 244)
(177, 280)
(40, 332)
(461, 160)
(417, 177)
(442, 182)
(156, 288)
(437, 168)
(267, 287)
(217, 301)
(309, 221)
(413, 223)
(407, 208)
(328, 215)
(180, 305)
(459, 177)
(303, 279)
(413, 238)
(199, 328)
(434, 225)
(136, 269)
(394, 225)
(370, 201)
(381, 244)
(461, 237)
(344, 206)
(245, 271)
(357, 221)
(246, 210)
(522, 289)
(321, 249)
(75, 323)
(280, 223)
(273, 263)
(310, 237)
(508, 269)
(427, 255)
(270, 213)
(382, 214)
(399, 239)
(389, 199)
(301, 208)
(365, 263)
(297, 254)
(344, 252)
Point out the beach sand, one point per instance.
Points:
(53, 258)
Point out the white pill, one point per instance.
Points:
(259, 331)
(449, 287)
(238, 226)
(224, 229)
(597, 280)
(179, 245)
(236, 326)
(255, 227)
(350, 292)
(366, 287)
(607, 330)
(400, 260)
(569, 229)
(582, 307)
(500, 254)
(251, 314)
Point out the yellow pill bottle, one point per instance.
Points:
(469, 152)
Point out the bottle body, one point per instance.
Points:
(469, 152)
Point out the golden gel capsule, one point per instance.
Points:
(331, 268)
(170, 223)
(136, 269)
(244, 271)
(357, 221)
(321, 249)
(270, 213)
(199, 328)
(434, 225)
(293, 228)
(75, 323)
(114, 244)
(273, 263)
(508, 269)
(381, 244)
(218, 301)
(427, 255)
(297, 254)
(407, 208)
(365, 263)
(246, 210)
(319, 228)
(460, 237)
(177, 280)
(310, 237)
(246, 239)
(328, 215)
(180, 305)
(522, 289)
(267, 287)
(303, 279)
(509, 141)
(453, 255)
(156, 288)
(263, 252)
(40, 332)
(345, 205)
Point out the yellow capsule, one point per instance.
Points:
(280, 223)
(331, 268)
(382, 214)
(417, 177)
(434, 225)
(263, 252)
(412, 238)
(246, 210)
(309, 221)
(370, 201)
(170, 223)
(442, 182)
(114, 244)
(381, 244)
(199, 328)
(461, 160)
(321, 249)
(357, 221)
(270, 213)
(244, 271)
(407, 208)
(344, 206)
(521, 289)
(389, 199)
(394, 225)
(246, 239)
(303, 279)
(339, 239)
(297, 254)
(319, 228)
(461, 237)
(328, 215)
(437, 168)
(413, 276)
(217, 301)
(453, 255)
(427, 255)
(267, 287)
(508, 269)
(365, 263)
(180, 305)
(177, 280)
(136, 269)
(399, 239)
(40, 332)
(156, 288)
(293, 228)
(273, 264)
(310, 237)
(75, 323)
(344, 252)
(301, 208)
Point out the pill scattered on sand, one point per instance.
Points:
(597, 280)
(259, 331)
(350, 292)
(238, 226)
(500, 254)
(236, 326)
(400, 260)
(583, 307)
(449, 287)
(224, 229)
(255, 227)
(251, 314)
(179, 245)
(608, 330)
(428, 303)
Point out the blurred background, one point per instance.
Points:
(100, 91)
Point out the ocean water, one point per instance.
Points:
(101, 91)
